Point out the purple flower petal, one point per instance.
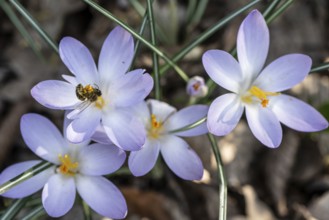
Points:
(124, 130)
(42, 137)
(188, 116)
(82, 128)
(55, 94)
(224, 114)
(28, 187)
(252, 44)
(142, 161)
(142, 112)
(98, 159)
(297, 114)
(161, 110)
(223, 69)
(264, 125)
(116, 54)
(102, 196)
(180, 158)
(78, 60)
(70, 79)
(100, 136)
(58, 195)
(131, 88)
(284, 73)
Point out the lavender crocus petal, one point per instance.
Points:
(252, 44)
(161, 110)
(264, 125)
(142, 161)
(55, 94)
(78, 60)
(70, 79)
(100, 136)
(82, 128)
(180, 158)
(124, 130)
(188, 116)
(42, 137)
(224, 114)
(58, 195)
(297, 114)
(116, 54)
(28, 187)
(284, 73)
(131, 88)
(102, 196)
(223, 69)
(142, 112)
(99, 159)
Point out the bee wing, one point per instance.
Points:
(78, 109)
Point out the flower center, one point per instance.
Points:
(259, 94)
(156, 127)
(196, 86)
(67, 167)
(87, 93)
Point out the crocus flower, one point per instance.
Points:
(196, 87)
(162, 124)
(259, 90)
(76, 167)
(99, 97)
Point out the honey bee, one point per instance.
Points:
(87, 93)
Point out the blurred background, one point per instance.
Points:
(290, 182)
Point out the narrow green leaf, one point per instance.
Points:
(20, 27)
(190, 126)
(205, 35)
(14, 209)
(154, 57)
(221, 179)
(322, 67)
(24, 176)
(34, 24)
(109, 15)
(35, 213)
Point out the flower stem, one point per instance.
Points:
(155, 56)
(109, 15)
(24, 176)
(198, 40)
(13, 210)
(34, 24)
(221, 178)
(324, 66)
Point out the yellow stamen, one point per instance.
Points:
(156, 127)
(100, 102)
(260, 94)
(67, 166)
(196, 86)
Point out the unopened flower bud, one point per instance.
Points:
(196, 87)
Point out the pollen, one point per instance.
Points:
(260, 94)
(99, 103)
(155, 128)
(67, 167)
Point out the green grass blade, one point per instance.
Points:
(222, 182)
(322, 67)
(155, 56)
(14, 209)
(20, 27)
(24, 176)
(34, 24)
(198, 40)
(35, 213)
(109, 15)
